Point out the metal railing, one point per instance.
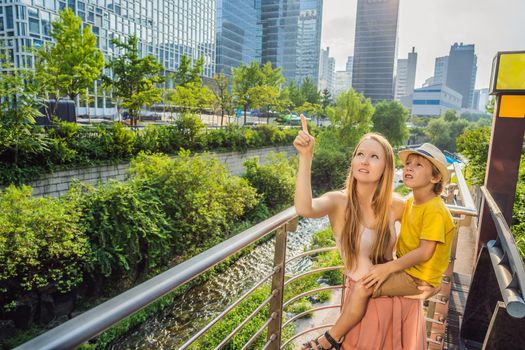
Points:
(93, 322)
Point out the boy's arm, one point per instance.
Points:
(379, 273)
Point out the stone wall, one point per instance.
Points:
(56, 184)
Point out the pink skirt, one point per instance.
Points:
(390, 323)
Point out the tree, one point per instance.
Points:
(474, 144)
(223, 97)
(309, 91)
(352, 116)
(243, 79)
(254, 86)
(73, 62)
(134, 78)
(190, 93)
(296, 96)
(443, 133)
(451, 115)
(390, 120)
(18, 110)
(326, 100)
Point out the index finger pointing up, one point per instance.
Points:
(303, 123)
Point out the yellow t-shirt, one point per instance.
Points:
(429, 221)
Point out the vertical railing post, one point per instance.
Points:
(276, 305)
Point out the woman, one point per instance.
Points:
(362, 217)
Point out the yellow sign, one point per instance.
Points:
(512, 106)
(511, 72)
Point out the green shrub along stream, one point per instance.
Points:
(103, 240)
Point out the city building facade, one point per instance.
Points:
(440, 70)
(434, 100)
(375, 48)
(238, 38)
(291, 37)
(166, 29)
(406, 79)
(326, 71)
(461, 71)
(343, 81)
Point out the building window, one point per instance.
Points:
(34, 26)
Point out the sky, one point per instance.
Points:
(432, 26)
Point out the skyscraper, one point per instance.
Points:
(440, 70)
(406, 78)
(461, 72)
(291, 36)
(326, 71)
(350, 64)
(238, 37)
(166, 29)
(375, 48)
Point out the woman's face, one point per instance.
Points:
(369, 161)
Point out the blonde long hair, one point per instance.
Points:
(381, 203)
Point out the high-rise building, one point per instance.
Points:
(166, 29)
(440, 70)
(480, 100)
(406, 78)
(238, 34)
(375, 48)
(461, 71)
(350, 63)
(291, 36)
(343, 81)
(326, 71)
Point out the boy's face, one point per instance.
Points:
(417, 172)
(369, 161)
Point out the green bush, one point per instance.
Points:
(275, 181)
(199, 197)
(190, 132)
(474, 144)
(127, 230)
(41, 244)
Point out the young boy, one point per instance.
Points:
(423, 247)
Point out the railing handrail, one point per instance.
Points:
(94, 321)
(507, 263)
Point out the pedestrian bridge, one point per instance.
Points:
(452, 310)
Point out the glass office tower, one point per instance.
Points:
(166, 29)
(291, 36)
(238, 34)
(375, 48)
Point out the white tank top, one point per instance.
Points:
(365, 249)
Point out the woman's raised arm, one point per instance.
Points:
(304, 204)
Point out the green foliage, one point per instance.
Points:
(127, 229)
(402, 190)
(199, 198)
(20, 140)
(134, 78)
(309, 91)
(352, 117)
(72, 62)
(255, 86)
(474, 144)
(443, 133)
(390, 120)
(41, 244)
(275, 181)
(223, 98)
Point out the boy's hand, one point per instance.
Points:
(427, 292)
(377, 274)
(304, 142)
